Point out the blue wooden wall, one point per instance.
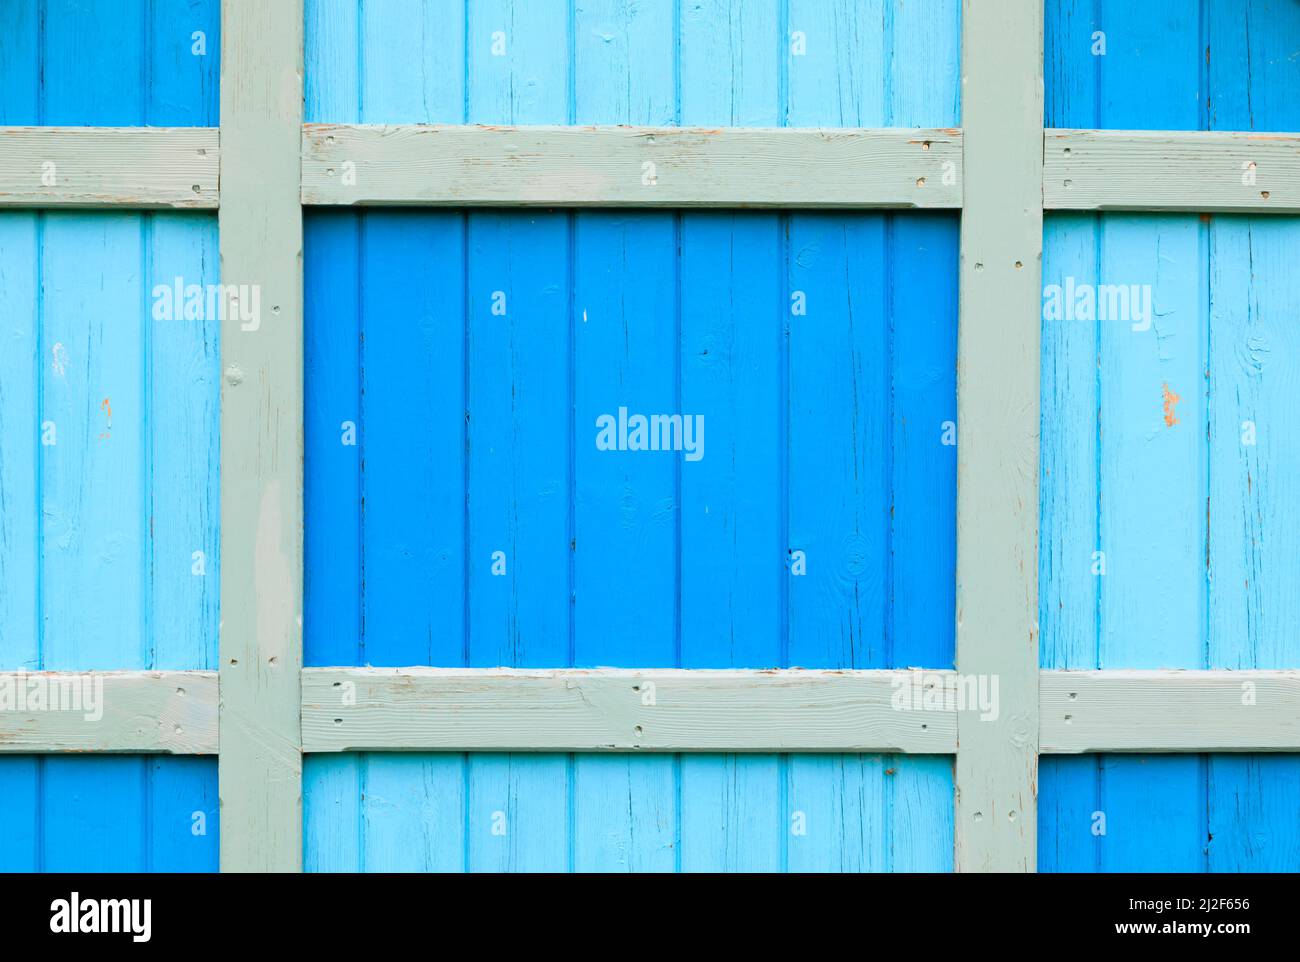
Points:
(98, 529)
(1147, 452)
(476, 432)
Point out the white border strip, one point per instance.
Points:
(133, 167)
(468, 166)
(109, 711)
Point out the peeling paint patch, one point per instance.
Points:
(107, 408)
(1170, 402)
(60, 359)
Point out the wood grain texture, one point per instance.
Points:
(109, 167)
(262, 439)
(357, 709)
(174, 712)
(997, 446)
(1171, 171)
(541, 166)
(1169, 711)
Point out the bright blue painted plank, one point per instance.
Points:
(331, 468)
(413, 813)
(20, 805)
(412, 62)
(184, 58)
(839, 437)
(732, 538)
(624, 813)
(20, 44)
(332, 62)
(1150, 76)
(1069, 582)
(518, 63)
(1070, 66)
(623, 62)
(626, 355)
(1254, 64)
(519, 343)
(331, 813)
(94, 494)
(412, 435)
(923, 385)
(518, 813)
(91, 813)
(20, 362)
(1155, 813)
(182, 816)
(1254, 464)
(731, 813)
(732, 64)
(1254, 813)
(95, 70)
(184, 455)
(1152, 428)
(1070, 817)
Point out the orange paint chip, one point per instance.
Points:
(1171, 399)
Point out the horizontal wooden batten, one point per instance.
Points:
(88, 167)
(1169, 711)
(469, 166)
(172, 712)
(360, 709)
(1163, 170)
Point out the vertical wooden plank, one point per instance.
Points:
(20, 439)
(998, 421)
(184, 53)
(921, 813)
(1254, 813)
(332, 62)
(837, 58)
(20, 74)
(20, 806)
(1252, 70)
(518, 811)
(731, 55)
(625, 814)
(412, 437)
(924, 67)
(518, 403)
(91, 808)
(183, 449)
(262, 438)
(1155, 807)
(93, 559)
(95, 68)
(413, 813)
(183, 814)
(331, 786)
(838, 813)
(1070, 829)
(412, 63)
(517, 57)
(732, 818)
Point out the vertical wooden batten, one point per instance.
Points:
(260, 768)
(998, 425)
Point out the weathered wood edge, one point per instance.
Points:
(996, 769)
(624, 166)
(1163, 170)
(171, 712)
(1169, 711)
(627, 710)
(260, 767)
(97, 167)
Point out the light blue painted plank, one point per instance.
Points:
(1254, 813)
(731, 813)
(184, 63)
(732, 64)
(624, 813)
(733, 540)
(518, 63)
(331, 468)
(91, 813)
(519, 341)
(1153, 426)
(414, 813)
(1254, 464)
(921, 813)
(19, 440)
(412, 436)
(922, 311)
(925, 64)
(518, 813)
(838, 817)
(623, 62)
(94, 494)
(1069, 582)
(182, 816)
(839, 436)
(626, 355)
(332, 63)
(183, 440)
(20, 806)
(331, 812)
(412, 65)
(839, 79)
(95, 69)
